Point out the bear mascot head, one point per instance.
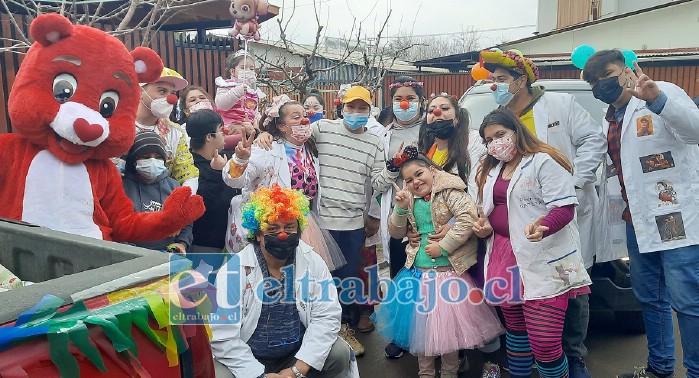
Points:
(73, 106)
(76, 92)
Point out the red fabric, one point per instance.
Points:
(614, 151)
(62, 49)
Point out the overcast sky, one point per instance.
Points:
(513, 19)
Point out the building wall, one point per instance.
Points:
(659, 29)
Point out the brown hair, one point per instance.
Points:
(185, 93)
(232, 61)
(273, 127)
(457, 154)
(596, 66)
(527, 144)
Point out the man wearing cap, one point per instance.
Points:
(157, 101)
(558, 120)
(349, 155)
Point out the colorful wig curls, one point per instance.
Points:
(269, 205)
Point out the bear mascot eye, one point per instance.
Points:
(245, 8)
(108, 103)
(64, 87)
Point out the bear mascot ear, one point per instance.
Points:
(50, 28)
(147, 63)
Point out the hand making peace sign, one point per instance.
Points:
(535, 231)
(481, 226)
(242, 150)
(402, 197)
(218, 162)
(644, 88)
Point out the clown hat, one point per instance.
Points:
(173, 77)
(511, 60)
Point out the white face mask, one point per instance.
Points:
(150, 168)
(247, 77)
(159, 107)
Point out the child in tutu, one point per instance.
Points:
(433, 307)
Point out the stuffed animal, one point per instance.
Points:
(72, 107)
(245, 13)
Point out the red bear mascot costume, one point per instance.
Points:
(72, 107)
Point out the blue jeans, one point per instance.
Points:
(663, 281)
(350, 243)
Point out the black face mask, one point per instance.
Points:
(441, 128)
(281, 249)
(608, 90)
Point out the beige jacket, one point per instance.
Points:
(449, 200)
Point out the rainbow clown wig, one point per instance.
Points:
(268, 205)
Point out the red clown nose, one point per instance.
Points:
(282, 235)
(172, 99)
(437, 112)
(305, 121)
(404, 104)
(336, 102)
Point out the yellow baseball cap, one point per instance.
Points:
(173, 77)
(357, 93)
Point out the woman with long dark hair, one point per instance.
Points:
(533, 247)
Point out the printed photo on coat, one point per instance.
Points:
(671, 227)
(657, 162)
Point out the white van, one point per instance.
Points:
(611, 288)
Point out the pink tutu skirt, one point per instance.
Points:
(321, 240)
(323, 243)
(431, 313)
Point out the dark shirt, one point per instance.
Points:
(279, 331)
(210, 229)
(151, 197)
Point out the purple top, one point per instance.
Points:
(555, 220)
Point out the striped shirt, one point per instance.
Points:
(347, 160)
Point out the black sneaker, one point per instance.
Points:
(393, 351)
(644, 373)
(577, 369)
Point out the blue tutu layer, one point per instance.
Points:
(394, 319)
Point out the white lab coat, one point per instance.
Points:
(265, 167)
(553, 265)
(320, 317)
(676, 135)
(563, 123)
(476, 151)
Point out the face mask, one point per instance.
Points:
(281, 249)
(441, 128)
(301, 132)
(503, 149)
(247, 77)
(200, 106)
(608, 90)
(316, 117)
(356, 121)
(405, 115)
(502, 94)
(151, 168)
(159, 107)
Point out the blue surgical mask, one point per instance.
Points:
(356, 121)
(502, 94)
(316, 117)
(150, 168)
(405, 115)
